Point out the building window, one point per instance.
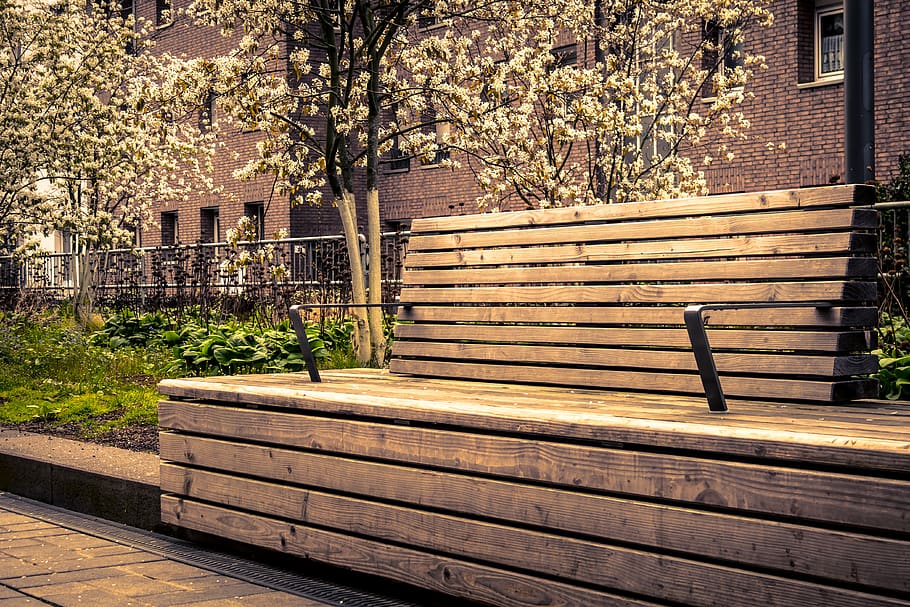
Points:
(723, 48)
(207, 111)
(163, 14)
(399, 160)
(829, 42)
(256, 212)
(441, 152)
(170, 228)
(209, 225)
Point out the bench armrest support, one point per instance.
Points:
(704, 359)
(303, 340)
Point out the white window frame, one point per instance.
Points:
(822, 11)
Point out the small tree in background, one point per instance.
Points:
(99, 131)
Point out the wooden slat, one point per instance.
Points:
(733, 225)
(792, 389)
(780, 269)
(615, 567)
(654, 420)
(572, 355)
(640, 315)
(689, 207)
(777, 491)
(827, 341)
(451, 576)
(707, 248)
(832, 291)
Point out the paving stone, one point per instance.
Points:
(11, 568)
(21, 601)
(166, 570)
(79, 594)
(62, 578)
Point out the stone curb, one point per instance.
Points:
(110, 483)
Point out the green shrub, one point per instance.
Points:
(894, 357)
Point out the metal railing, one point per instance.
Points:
(315, 269)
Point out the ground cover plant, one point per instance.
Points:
(58, 377)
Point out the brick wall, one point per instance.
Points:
(802, 119)
(808, 117)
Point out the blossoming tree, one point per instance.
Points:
(324, 124)
(97, 130)
(576, 102)
(332, 83)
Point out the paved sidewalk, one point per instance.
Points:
(44, 563)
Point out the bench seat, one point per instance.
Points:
(519, 496)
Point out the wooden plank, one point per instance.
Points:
(827, 341)
(612, 566)
(781, 269)
(798, 549)
(629, 315)
(746, 387)
(579, 414)
(442, 574)
(706, 248)
(857, 501)
(811, 432)
(776, 427)
(573, 355)
(729, 225)
(687, 207)
(833, 291)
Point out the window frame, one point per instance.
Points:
(821, 11)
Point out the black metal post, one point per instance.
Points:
(859, 96)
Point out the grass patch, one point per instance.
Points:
(50, 372)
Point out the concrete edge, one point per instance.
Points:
(110, 483)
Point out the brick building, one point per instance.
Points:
(799, 102)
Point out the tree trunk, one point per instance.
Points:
(374, 243)
(362, 343)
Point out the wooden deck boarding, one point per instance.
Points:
(513, 492)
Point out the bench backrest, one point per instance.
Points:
(594, 296)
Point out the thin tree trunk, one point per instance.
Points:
(374, 244)
(362, 343)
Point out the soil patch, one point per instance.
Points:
(135, 437)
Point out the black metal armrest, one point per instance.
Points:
(704, 359)
(304, 342)
(300, 329)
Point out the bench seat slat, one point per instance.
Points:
(708, 248)
(808, 198)
(738, 292)
(802, 222)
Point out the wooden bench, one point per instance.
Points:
(541, 437)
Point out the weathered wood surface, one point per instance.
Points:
(550, 297)
(541, 437)
(866, 435)
(516, 496)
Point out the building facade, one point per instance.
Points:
(796, 137)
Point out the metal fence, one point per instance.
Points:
(303, 270)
